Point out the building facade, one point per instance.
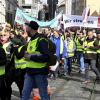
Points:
(30, 7)
(26, 6)
(65, 6)
(79, 5)
(10, 10)
(52, 6)
(68, 7)
(61, 6)
(2, 11)
(7, 11)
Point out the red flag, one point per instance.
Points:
(98, 21)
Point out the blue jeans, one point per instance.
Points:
(35, 81)
(81, 61)
(68, 64)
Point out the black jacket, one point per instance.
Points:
(44, 55)
(2, 57)
(91, 55)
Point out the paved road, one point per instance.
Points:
(69, 88)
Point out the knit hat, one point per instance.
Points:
(33, 25)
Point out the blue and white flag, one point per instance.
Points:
(22, 18)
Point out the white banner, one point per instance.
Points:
(74, 20)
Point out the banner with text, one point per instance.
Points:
(74, 20)
(22, 18)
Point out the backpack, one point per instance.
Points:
(52, 51)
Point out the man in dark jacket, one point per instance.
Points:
(37, 57)
(90, 55)
(2, 74)
(97, 47)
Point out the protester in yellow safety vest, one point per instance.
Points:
(70, 45)
(79, 39)
(21, 62)
(90, 55)
(2, 73)
(97, 47)
(11, 73)
(37, 56)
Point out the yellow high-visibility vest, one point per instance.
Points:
(89, 44)
(98, 51)
(61, 45)
(70, 47)
(20, 63)
(31, 49)
(79, 47)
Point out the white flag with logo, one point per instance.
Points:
(85, 14)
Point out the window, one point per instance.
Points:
(23, 1)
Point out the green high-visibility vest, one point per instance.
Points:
(31, 49)
(70, 47)
(20, 63)
(2, 70)
(98, 51)
(89, 44)
(79, 47)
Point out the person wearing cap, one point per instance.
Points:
(37, 55)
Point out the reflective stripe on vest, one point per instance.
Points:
(31, 49)
(20, 63)
(2, 70)
(70, 47)
(61, 45)
(6, 47)
(89, 44)
(79, 47)
(98, 51)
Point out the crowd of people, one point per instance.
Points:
(26, 59)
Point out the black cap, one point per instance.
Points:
(33, 25)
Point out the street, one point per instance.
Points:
(70, 88)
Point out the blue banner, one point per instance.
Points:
(22, 18)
